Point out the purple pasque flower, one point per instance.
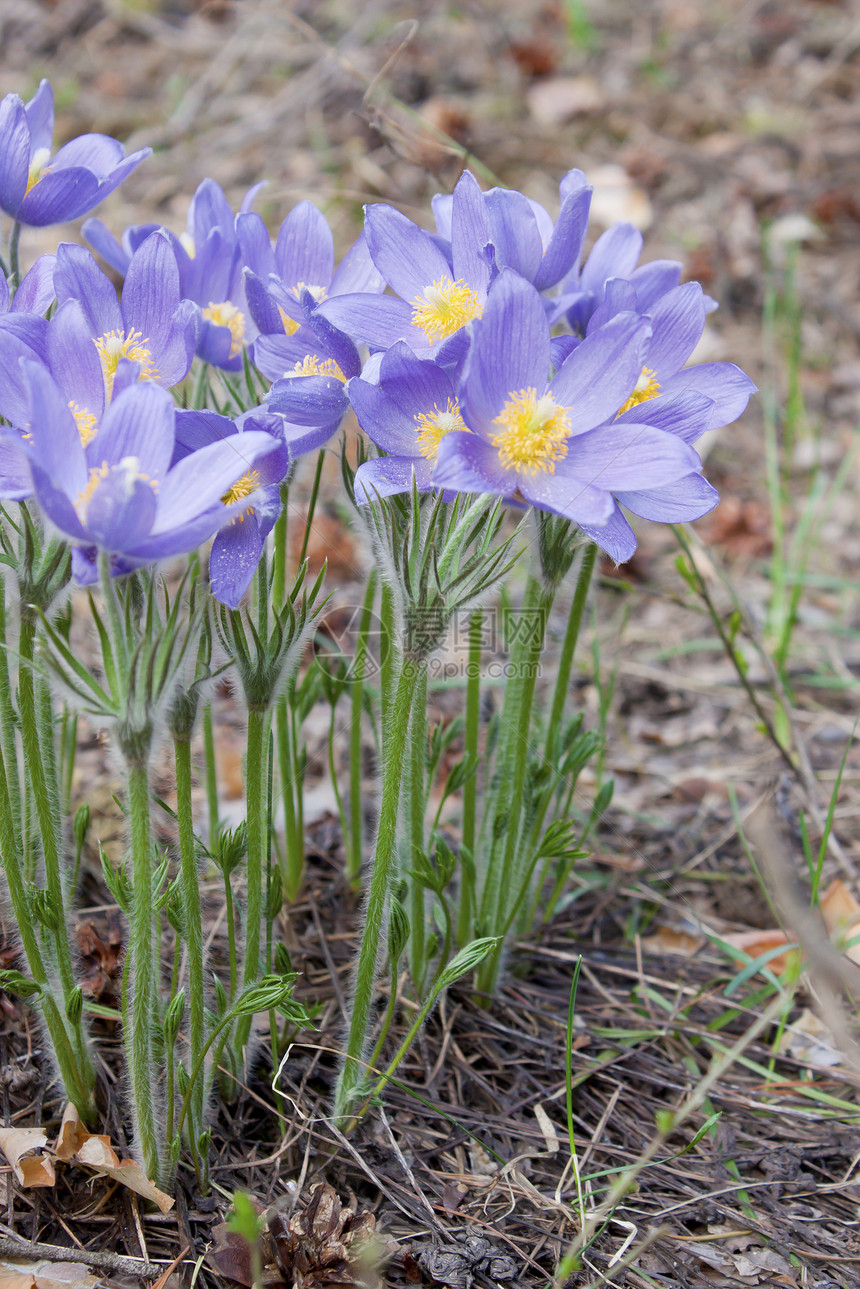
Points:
(512, 231)
(93, 332)
(209, 260)
(407, 414)
(285, 284)
(239, 543)
(311, 391)
(706, 396)
(442, 285)
(37, 188)
(209, 256)
(555, 444)
(615, 254)
(121, 492)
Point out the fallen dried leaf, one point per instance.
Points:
(666, 940)
(755, 943)
(17, 1273)
(839, 908)
(97, 1153)
(18, 1145)
(72, 1134)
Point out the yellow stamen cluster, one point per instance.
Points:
(38, 167)
(241, 489)
(97, 474)
(433, 426)
(533, 433)
(290, 324)
(647, 386)
(85, 421)
(227, 315)
(127, 467)
(444, 308)
(319, 293)
(113, 346)
(310, 365)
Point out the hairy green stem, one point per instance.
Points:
(470, 787)
(356, 814)
(37, 731)
(384, 864)
(257, 833)
(416, 772)
(293, 867)
(213, 820)
(192, 918)
(510, 773)
(142, 964)
(14, 263)
(568, 648)
(8, 717)
(77, 1079)
(279, 555)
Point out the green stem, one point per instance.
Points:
(332, 769)
(214, 823)
(14, 263)
(470, 787)
(279, 556)
(565, 662)
(388, 660)
(192, 918)
(141, 963)
(380, 885)
(417, 765)
(40, 757)
(231, 936)
(501, 881)
(312, 505)
(386, 1022)
(356, 814)
(8, 717)
(77, 1079)
(257, 833)
(293, 867)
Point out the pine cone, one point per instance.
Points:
(328, 1246)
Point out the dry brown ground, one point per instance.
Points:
(707, 124)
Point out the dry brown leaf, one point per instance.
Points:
(31, 1169)
(667, 940)
(839, 908)
(18, 1273)
(72, 1134)
(755, 943)
(97, 1153)
(17, 1279)
(809, 1040)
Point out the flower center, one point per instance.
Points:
(313, 366)
(38, 167)
(85, 421)
(319, 293)
(290, 324)
(433, 426)
(241, 489)
(227, 315)
(126, 468)
(444, 308)
(113, 346)
(533, 433)
(647, 386)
